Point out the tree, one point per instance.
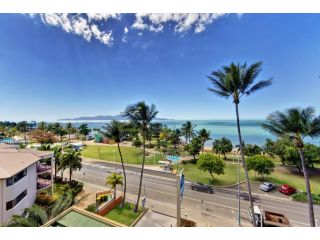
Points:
(116, 131)
(69, 129)
(113, 180)
(57, 152)
(204, 136)
(23, 127)
(188, 130)
(251, 150)
(211, 163)
(34, 216)
(222, 146)
(72, 160)
(195, 147)
(140, 115)
(262, 165)
(236, 81)
(296, 124)
(174, 137)
(84, 130)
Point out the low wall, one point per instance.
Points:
(109, 206)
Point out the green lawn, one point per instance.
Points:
(124, 215)
(231, 177)
(131, 155)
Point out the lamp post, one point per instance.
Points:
(52, 166)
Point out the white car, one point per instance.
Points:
(114, 170)
(267, 186)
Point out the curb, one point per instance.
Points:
(140, 216)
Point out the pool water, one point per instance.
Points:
(173, 158)
(7, 140)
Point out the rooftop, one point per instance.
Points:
(14, 160)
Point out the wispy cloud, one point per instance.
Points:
(95, 25)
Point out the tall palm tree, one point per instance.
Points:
(57, 152)
(204, 135)
(72, 160)
(113, 180)
(188, 130)
(296, 124)
(69, 129)
(236, 81)
(141, 115)
(116, 131)
(23, 127)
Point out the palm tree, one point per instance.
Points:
(296, 124)
(188, 130)
(57, 152)
(34, 216)
(23, 127)
(116, 131)
(236, 81)
(84, 130)
(72, 160)
(113, 180)
(69, 129)
(140, 115)
(204, 136)
(222, 146)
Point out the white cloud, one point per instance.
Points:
(97, 26)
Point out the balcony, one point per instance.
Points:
(41, 168)
(43, 184)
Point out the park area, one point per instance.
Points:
(281, 175)
(131, 155)
(124, 215)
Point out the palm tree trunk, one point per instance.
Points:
(142, 169)
(115, 192)
(70, 175)
(124, 176)
(308, 190)
(244, 165)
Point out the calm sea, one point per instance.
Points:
(251, 130)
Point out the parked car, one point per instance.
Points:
(286, 189)
(267, 186)
(201, 188)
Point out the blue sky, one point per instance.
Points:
(51, 70)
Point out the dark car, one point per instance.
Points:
(201, 188)
(286, 189)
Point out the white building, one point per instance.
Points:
(23, 172)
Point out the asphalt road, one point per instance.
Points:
(161, 186)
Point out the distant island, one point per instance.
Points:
(103, 118)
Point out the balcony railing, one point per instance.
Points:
(43, 168)
(42, 184)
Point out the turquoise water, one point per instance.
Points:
(7, 140)
(173, 158)
(251, 130)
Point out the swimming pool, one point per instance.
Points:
(173, 158)
(7, 140)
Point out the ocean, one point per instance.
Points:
(251, 130)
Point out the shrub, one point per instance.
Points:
(302, 197)
(76, 187)
(43, 199)
(137, 143)
(58, 180)
(92, 208)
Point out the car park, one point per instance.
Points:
(202, 188)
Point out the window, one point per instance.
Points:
(11, 204)
(16, 178)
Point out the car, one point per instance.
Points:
(114, 170)
(202, 188)
(286, 189)
(267, 186)
(245, 196)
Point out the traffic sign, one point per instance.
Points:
(181, 186)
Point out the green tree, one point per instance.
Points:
(195, 147)
(251, 150)
(296, 124)
(23, 127)
(174, 138)
(116, 131)
(34, 216)
(262, 165)
(222, 146)
(140, 115)
(84, 130)
(204, 135)
(188, 130)
(211, 163)
(113, 180)
(57, 152)
(69, 129)
(236, 81)
(72, 160)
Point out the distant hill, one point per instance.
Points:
(101, 118)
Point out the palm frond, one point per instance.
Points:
(219, 93)
(259, 85)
